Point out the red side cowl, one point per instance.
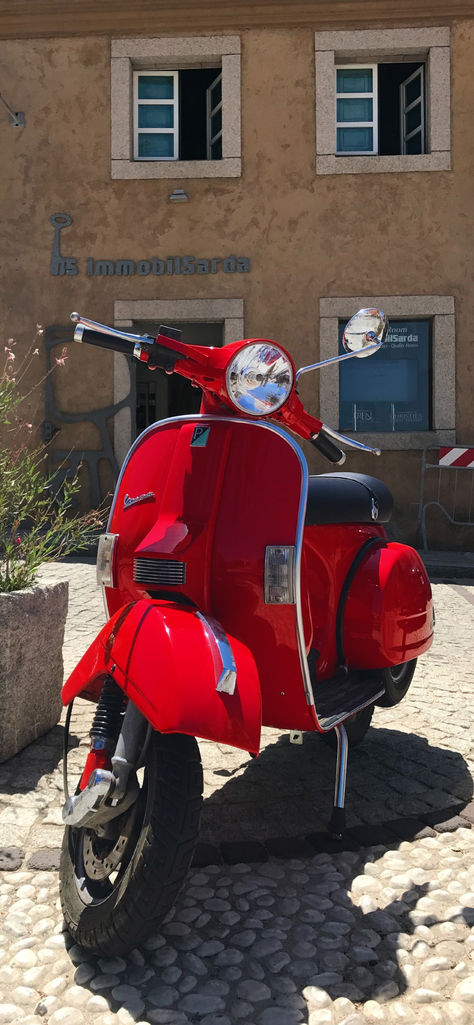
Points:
(389, 612)
(161, 654)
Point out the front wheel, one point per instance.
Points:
(396, 680)
(116, 888)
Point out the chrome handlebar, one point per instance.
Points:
(93, 325)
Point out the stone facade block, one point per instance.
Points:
(32, 625)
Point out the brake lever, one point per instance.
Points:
(350, 442)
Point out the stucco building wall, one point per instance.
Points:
(307, 236)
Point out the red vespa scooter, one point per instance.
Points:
(241, 592)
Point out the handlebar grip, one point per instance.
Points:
(156, 356)
(106, 341)
(326, 446)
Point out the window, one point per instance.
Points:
(162, 395)
(391, 391)
(403, 396)
(175, 107)
(380, 109)
(383, 101)
(178, 115)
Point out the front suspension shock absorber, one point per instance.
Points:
(105, 729)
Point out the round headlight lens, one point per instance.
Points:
(259, 379)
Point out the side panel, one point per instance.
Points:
(330, 550)
(389, 613)
(162, 657)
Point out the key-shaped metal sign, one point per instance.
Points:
(61, 264)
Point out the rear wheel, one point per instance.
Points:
(116, 888)
(397, 680)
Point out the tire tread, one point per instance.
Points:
(157, 873)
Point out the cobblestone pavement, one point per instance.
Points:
(273, 926)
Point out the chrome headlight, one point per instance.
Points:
(259, 379)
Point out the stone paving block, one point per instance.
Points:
(450, 825)
(410, 829)
(206, 854)
(245, 851)
(323, 843)
(289, 847)
(468, 812)
(439, 815)
(45, 859)
(372, 835)
(11, 858)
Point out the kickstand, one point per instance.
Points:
(338, 817)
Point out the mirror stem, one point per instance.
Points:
(338, 359)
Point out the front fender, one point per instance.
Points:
(164, 656)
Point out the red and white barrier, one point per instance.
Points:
(463, 457)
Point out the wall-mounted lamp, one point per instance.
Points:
(178, 196)
(18, 119)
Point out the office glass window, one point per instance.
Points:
(390, 390)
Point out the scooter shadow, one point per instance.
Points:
(287, 791)
(34, 764)
(270, 930)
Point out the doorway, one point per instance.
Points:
(160, 395)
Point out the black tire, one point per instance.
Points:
(397, 680)
(356, 727)
(114, 893)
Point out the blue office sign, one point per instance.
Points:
(390, 390)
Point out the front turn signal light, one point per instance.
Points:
(105, 566)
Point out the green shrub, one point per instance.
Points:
(37, 519)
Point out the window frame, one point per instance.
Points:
(174, 54)
(137, 103)
(373, 95)
(440, 310)
(426, 44)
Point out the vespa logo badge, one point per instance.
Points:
(200, 436)
(149, 496)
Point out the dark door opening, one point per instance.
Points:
(160, 395)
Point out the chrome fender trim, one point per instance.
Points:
(227, 671)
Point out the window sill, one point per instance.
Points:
(403, 439)
(228, 167)
(330, 164)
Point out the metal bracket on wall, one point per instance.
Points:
(70, 460)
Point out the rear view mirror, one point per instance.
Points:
(363, 331)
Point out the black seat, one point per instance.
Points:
(347, 498)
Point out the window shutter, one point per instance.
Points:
(214, 119)
(412, 112)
